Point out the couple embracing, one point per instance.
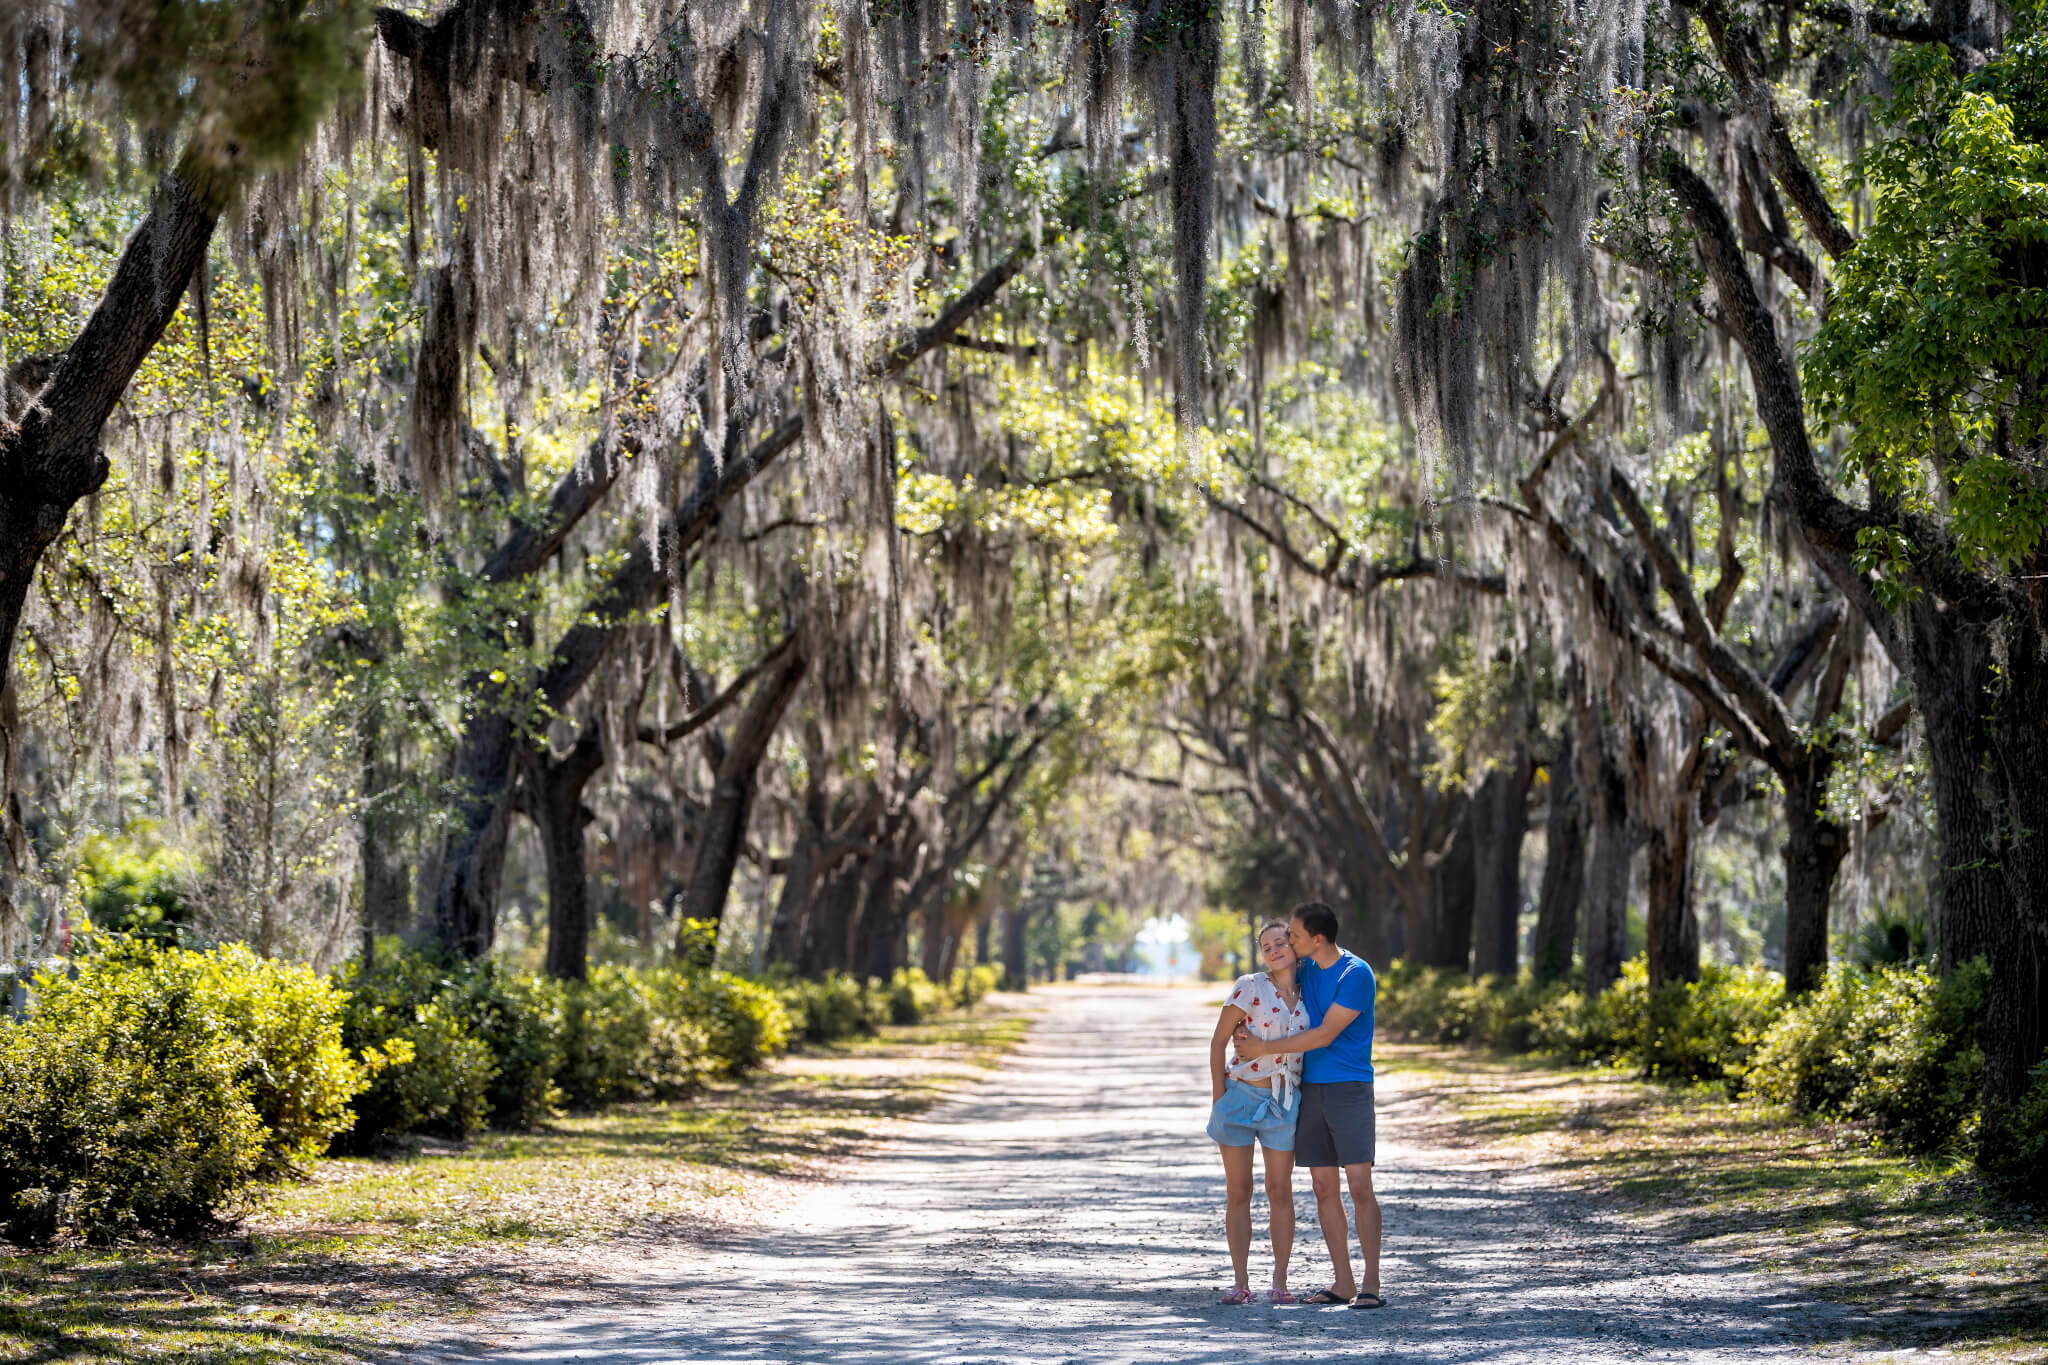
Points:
(1298, 1082)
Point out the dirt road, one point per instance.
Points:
(1070, 1211)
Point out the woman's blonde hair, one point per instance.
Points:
(1279, 924)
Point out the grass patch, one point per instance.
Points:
(371, 1253)
(1917, 1243)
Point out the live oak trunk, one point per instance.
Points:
(1500, 814)
(553, 797)
(1456, 888)
(724, 829)
(1611, 843)
(1813, 851)
(1564, 872)
(52, 460)
(1016, 959)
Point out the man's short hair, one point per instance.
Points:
(1318, 919)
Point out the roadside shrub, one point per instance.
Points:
(297, 1073)
(744, 1021)
(912, 996)
(432, 1073)
(834, 1007)
(1705, 1030)
(2013, 1147)
(619, 1044)
(1442, 1005)
(123, 1106)
(970, 984)
(519, 1019)
(1894, 1046)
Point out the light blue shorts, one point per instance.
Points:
(1250, 1112)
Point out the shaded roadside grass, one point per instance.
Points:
(370, 1254)
(1918, 1244)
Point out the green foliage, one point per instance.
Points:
(125, 1106)
(135, 885)
(970, 984)
(912, 996)
(744, 1021)
(1933, 342)
(296, 1072)
(2013, 1147)
(620, 1043)
(1894, 1046)
(519, 1018)
(831, 1007)
(433, 1074)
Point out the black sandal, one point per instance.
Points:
(1325, 1296)
(1374, 1295)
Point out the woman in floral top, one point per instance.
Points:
(1254, 1101)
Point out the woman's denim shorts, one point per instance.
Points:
(1247, 1112)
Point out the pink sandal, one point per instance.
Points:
(1279, 1296)
(1237, 1297)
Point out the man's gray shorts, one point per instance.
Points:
(1336, 1127)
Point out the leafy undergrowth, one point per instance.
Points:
(371, 1254)
(1927, 1256)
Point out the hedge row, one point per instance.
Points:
(154, 1088)
(1893, 1047)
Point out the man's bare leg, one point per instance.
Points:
(1366, 1205)
(1336, 1231)
(1280, 1211)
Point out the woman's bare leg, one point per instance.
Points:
(1280, 1211)
(1237, 1208)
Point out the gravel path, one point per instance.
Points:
(1070, 1210)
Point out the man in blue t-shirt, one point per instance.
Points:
(1336, 1124)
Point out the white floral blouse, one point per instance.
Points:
(1268, 1015)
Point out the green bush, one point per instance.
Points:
(971, 984)
(519, 1019)
(432, 1073)
(136, 887)
(1894, 1046)
(2013, 1147)
(1705, 1030)
(744, 1021)
(912, 996)
(125, 1106)
(620, 1044)
(297, 1073)
(833, 1007)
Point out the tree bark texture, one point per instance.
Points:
(1611, 844)
(1564, 872)
(1813, 852)
(554, 799)
(1500, 815)
(724, 828)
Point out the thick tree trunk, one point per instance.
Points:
(829, 944)
(1016, 950)
(2016, 1025)
(1813, 851)
(800, 876)
(724, 829)
(1673, 927)
(1611, 844)
(933, 954)
(1456, 890)
(1564, 872)
(472, 860)
(554, 799)
(881, 925)
(1953, 687)
(1500, 815)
